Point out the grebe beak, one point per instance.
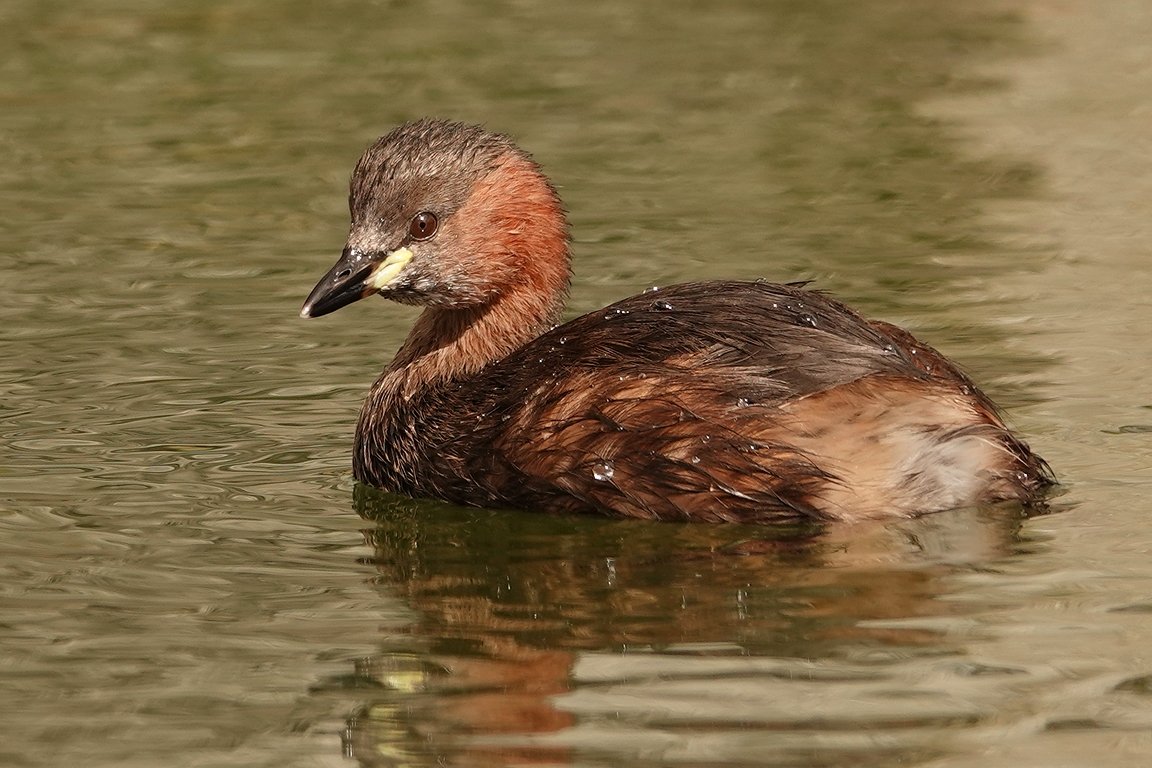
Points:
(353, 277)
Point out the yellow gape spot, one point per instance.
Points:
(389, 268)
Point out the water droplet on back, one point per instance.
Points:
(602, 471)
(662, 306)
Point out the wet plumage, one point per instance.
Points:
(717, 401)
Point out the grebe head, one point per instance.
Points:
(449, 215)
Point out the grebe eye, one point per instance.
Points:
(423, 226)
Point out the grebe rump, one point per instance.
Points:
(713, 401)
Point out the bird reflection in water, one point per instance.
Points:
(520, 612)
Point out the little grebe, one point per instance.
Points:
(716, 401)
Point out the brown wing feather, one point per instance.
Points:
(642, 449)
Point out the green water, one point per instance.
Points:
(188, 573)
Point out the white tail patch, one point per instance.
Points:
(897, 447)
